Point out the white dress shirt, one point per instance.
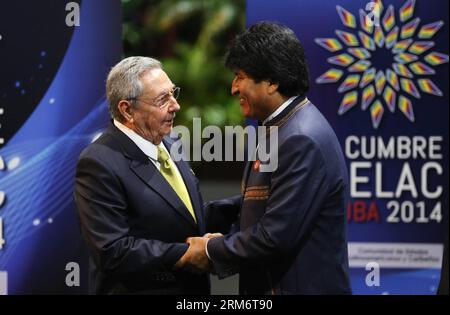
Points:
(149, 149)
(279, 110)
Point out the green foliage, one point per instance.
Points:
(190, 38)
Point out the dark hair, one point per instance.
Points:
(272, 52)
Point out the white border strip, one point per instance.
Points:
(3, 283)
(396, 255)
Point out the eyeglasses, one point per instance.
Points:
(163, 100)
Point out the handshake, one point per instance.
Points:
(195, 259)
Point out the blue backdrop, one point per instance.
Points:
(386, 82)
(52, 96)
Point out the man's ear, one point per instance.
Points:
(126, 110)
(272, 88)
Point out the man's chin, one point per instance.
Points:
(245, 112)
(166, 130)
(248, 115)
(167, 127)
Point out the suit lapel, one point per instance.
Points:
(143, 168)
(193, 193)
(245, 176)
(191, 186)
(153, 178)
(247, 169)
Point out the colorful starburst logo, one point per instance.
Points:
(378, 88)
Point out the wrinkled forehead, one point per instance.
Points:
(156, 83)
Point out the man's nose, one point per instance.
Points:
(234, 87)
(174, 106)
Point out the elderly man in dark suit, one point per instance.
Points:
(135, 203)
(292, 229)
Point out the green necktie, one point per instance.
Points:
(167, 169)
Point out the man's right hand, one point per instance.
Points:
(195, 259)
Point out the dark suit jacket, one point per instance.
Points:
(133, 222)
(292, 237)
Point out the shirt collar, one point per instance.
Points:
(145, 146)
(279, 110)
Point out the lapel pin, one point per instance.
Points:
(256, 165)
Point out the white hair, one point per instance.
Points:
(124, 81)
